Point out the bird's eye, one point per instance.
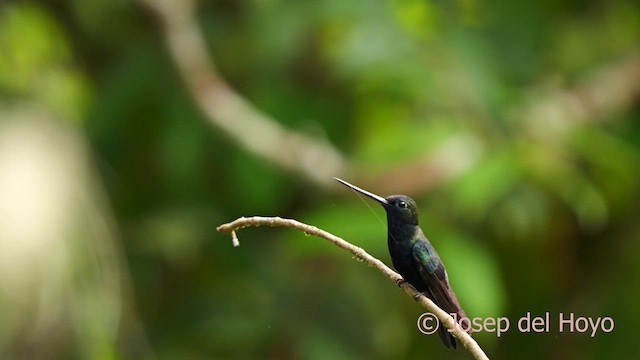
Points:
(402, 204)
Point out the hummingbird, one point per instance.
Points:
(415, 258)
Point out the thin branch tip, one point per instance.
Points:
(234, 239)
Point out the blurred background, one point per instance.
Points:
(130, 130)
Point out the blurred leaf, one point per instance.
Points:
(489, 181)
(599, 149)
(36, 61)
(473, 273)
(176, 234)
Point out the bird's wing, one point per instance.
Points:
(433, 273)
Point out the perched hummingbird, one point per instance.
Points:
(414, 257)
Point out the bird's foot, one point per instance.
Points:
(400, 281)
(416, 296)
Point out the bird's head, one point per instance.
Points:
(400, 208)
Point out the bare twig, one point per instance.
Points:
(313, 157)
(467, 341)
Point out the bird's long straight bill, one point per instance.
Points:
(377, 198)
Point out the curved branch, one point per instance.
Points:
(312, 157)
(467, 341)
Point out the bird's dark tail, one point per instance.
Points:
(447, 338)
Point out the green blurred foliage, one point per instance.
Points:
(37, 61)
(541, 217)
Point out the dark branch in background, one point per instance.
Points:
(467, 341)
